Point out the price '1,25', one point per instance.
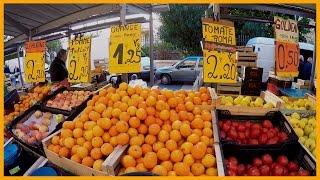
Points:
(119, 54)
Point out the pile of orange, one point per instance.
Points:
(167, 132)
(26, 102)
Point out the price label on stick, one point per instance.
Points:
(79, 60)
(219, 67)
(125, 49)
(287, 59)
(34, 67)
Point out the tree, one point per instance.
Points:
(181, 27)
(54, 46)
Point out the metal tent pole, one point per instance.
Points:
(151, 49)
(18, 51)
(123, 12)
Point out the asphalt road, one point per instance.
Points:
(175, 86)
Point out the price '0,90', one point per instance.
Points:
(34, 75)
(228, 70)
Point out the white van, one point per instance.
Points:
(265, 49)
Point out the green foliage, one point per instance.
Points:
(181, 27)
(54, 46)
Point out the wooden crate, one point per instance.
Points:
(229, 88)
(240, 110)
(248, 59)
(79, 169)
(244, 49)
(284, 110)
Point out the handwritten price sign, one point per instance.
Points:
(79, 60)
(34, 61)
(125, 49)
(219, 67)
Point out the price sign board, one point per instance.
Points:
(220, 63)
(34, 61)
(219, 67)
(287, 50)
(125, 49)
(79, 59)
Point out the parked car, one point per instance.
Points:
(145, 69)
(186, 70)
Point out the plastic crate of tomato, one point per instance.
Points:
(271, 129)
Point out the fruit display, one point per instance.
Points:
(26, 101)
(253, 133)
(245, 101)
(265, 165)
(37, 126)
(298, 104)
(68, 99)
(166, 132)
(305, 128)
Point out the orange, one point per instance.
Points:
(168, 165)
(176, 125)
(66, 133)
(150, 120)
(55, 140)
(68, 125)
(114, 121)
(188, 159)
(141, 114)
(151, 101)
(100, 107)
(172, 173)
(113, 131)
(146, 148)
(103, 92)
(104, 123)
(51, 147)
(207, 124)
(88, 161)
(90, 103)
(89, 125)
(142, 129)
(132, 132)
(163, 154)
(140, 167)
(97, 142)
(122, 126)
(159, 121)
(130, 170)
(164, 115)
(204, 97)
(180, 107)
(197, 169)
(185, 130)
(122, 93)
(80, 141)
(160, 105)
(203, 89)
(84, 117)
(78, 124)
(76, 158)
(142, 105)
(124, 116)
(132, 110)
(130, 90)
(136, 140)
(206, 115)
(97, 165)
(128, 161)
(82, 152)
(139, 160)
(88, 135)
(123, 86)
(106, 149)
(107, 113)
(181, 169)
(94, 116)
(56, 149)
(97, 131)
(77, 133)
(208, 161)
(116, 112)
(113, 141)
(160, 170)
(176, 156)
(199, 150)
(193, 138)
(150, 160)
(209, 150)
(186, 147)
(172, 102)
(87, 145)
(122, 138)
(197, 132)
(189, 106)
(134, 122)
(150, 139)
(154, 129)
(171, 145)
(125, 100)
(163, 136)
(69, 142)
(190, 116)
(207, 132)
(64, 152)
(151, 111)
(115, 97)
(205, 140)
(174, 116)
(211, 172)
(123, 106)
(135, 151)
(158, 145)
(175, 135)
(183, 115)
(197, 123)
(96, 153)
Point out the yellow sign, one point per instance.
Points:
(79, 60)
(286, 30)
(219, 67)
(219, 33)
(34, 67)
(125, 49)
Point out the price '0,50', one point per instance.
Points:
(287, 56)
(34, 75)
(229, 70)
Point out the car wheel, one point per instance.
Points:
(165, 79)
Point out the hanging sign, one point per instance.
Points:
(287, 51)
(79, 59)
(125, 49)
(220, 63)
(34, 61)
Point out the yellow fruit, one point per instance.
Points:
(88, 135)
(106, 149)
(188, 159)
(104, 123)
(163, 136)
(128, 161)
(82, 152)
(185, 130)
(181, 169)
(193, 138)
(186, 147)
(211, 172)
(197, 169)
(97, 142)
(175, 135)
(97, 165)
(171, 145)
(69, 142)
(176, 156)
(77, 133)
(208, 161)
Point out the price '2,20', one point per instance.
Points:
(34, 75)
(229, 71)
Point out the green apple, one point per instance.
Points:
(310, 144)
(59, 118)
